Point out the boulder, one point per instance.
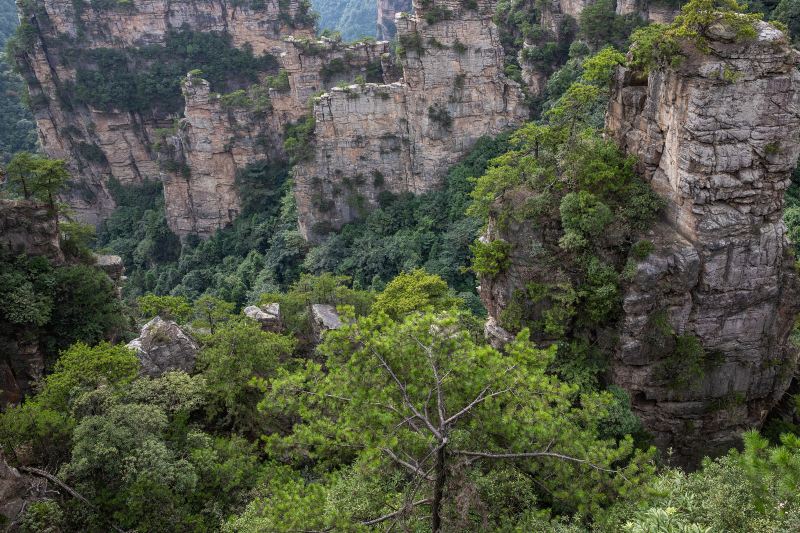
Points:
(269, 316)
(163, 346)
(324, 318)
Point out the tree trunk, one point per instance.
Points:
(438, 488)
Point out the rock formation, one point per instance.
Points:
(29, 228)
(371, 139)
(215, 139)
(163, 346)
(324, 318)
(269, 316)
(717, 138)
(387, 11)
(196, 152)
(99, 144)
(702, 344)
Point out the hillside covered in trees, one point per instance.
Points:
(454, 360)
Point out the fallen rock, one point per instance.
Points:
(269, 316)
(163, 346)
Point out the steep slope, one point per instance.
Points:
(695, 325)
(372, 140)
(717, 139)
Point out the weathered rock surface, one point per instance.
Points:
(387, 11)
(100, 144)
(269, 316)
(29, 228)
(717, 138)
(401, 137)
(163, 346)
(112, 265)
(324, 318)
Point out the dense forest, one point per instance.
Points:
(373, 402)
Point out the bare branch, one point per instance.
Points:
(405, 395)
(395, 513)
(72, 492)
(480, 398)
(534, 455)
(438, 383)
(412, 467)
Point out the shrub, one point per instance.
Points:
(490, 258)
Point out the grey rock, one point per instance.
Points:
(324, 318)
(111, 265)
(163, 346)
(717, 138)
(269, 316)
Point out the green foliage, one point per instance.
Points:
(787, 12)
(601, 26)
(754, 490)
(490, 258)
(43, 516)
(298, 140)
(599, 68)
(175, 308)
(379, 372)
(584, 217)
(429, 231)
(657, 45)
(231, 358)
(440, 115)
(149, 77)
(324, 289)
(641, 249)
(37, 177)
(55, 306)
(415, 291)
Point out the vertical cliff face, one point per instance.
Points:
(375, 139)
(220, 135)
(702, 341)
(30, 229)
(64, 39)
(717, 138)
(387, 11)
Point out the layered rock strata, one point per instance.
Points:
(101, 144)
(376, 139)
(717, 138)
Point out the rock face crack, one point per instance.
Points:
(731, 283)
(408, 133)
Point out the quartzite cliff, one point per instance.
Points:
(717, 139)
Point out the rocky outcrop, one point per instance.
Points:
(324, 318)
(29, 228)
(717, 138)
(377, 139)
(162, 346)
(387, 12)
(99, 144)
(269, 316)
(658, 11)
